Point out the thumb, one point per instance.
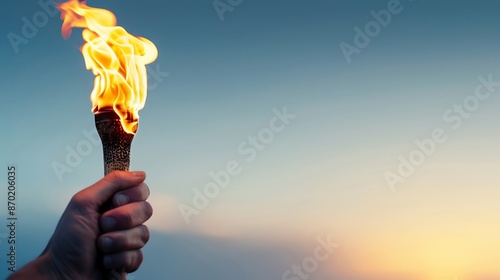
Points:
(102, 191)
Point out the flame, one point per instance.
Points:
(117, 59)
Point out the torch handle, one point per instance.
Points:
(116, 145)
(108, 168)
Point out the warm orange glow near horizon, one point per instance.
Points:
(117, 59)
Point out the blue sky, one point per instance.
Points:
(219, 83)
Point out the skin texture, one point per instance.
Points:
(87, 243)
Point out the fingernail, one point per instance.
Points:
(107, 261)
(108, 223)
(106, 243)
(122, 199)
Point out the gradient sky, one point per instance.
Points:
(323, 174)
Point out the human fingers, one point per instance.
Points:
(124, 240)
(126, 217)
(128, 261)
(100, 192)
(135, 194)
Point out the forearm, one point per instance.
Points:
(38, 269)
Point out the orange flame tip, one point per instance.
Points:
(117, 59)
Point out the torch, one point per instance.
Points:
(118, 60)
(116, 142)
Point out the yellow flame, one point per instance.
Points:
(117, 59)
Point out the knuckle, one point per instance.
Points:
(139, 259)
(129, 220)
(145, 234)
(133, 240)
(125, 242)
(114, 176)
(78, 199)
(148, 191)
(135, 260)
(148, 209)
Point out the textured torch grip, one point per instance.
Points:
(116, 142)
(116, 145)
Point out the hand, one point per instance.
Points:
(87, 242)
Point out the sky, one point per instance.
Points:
(377, 127)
